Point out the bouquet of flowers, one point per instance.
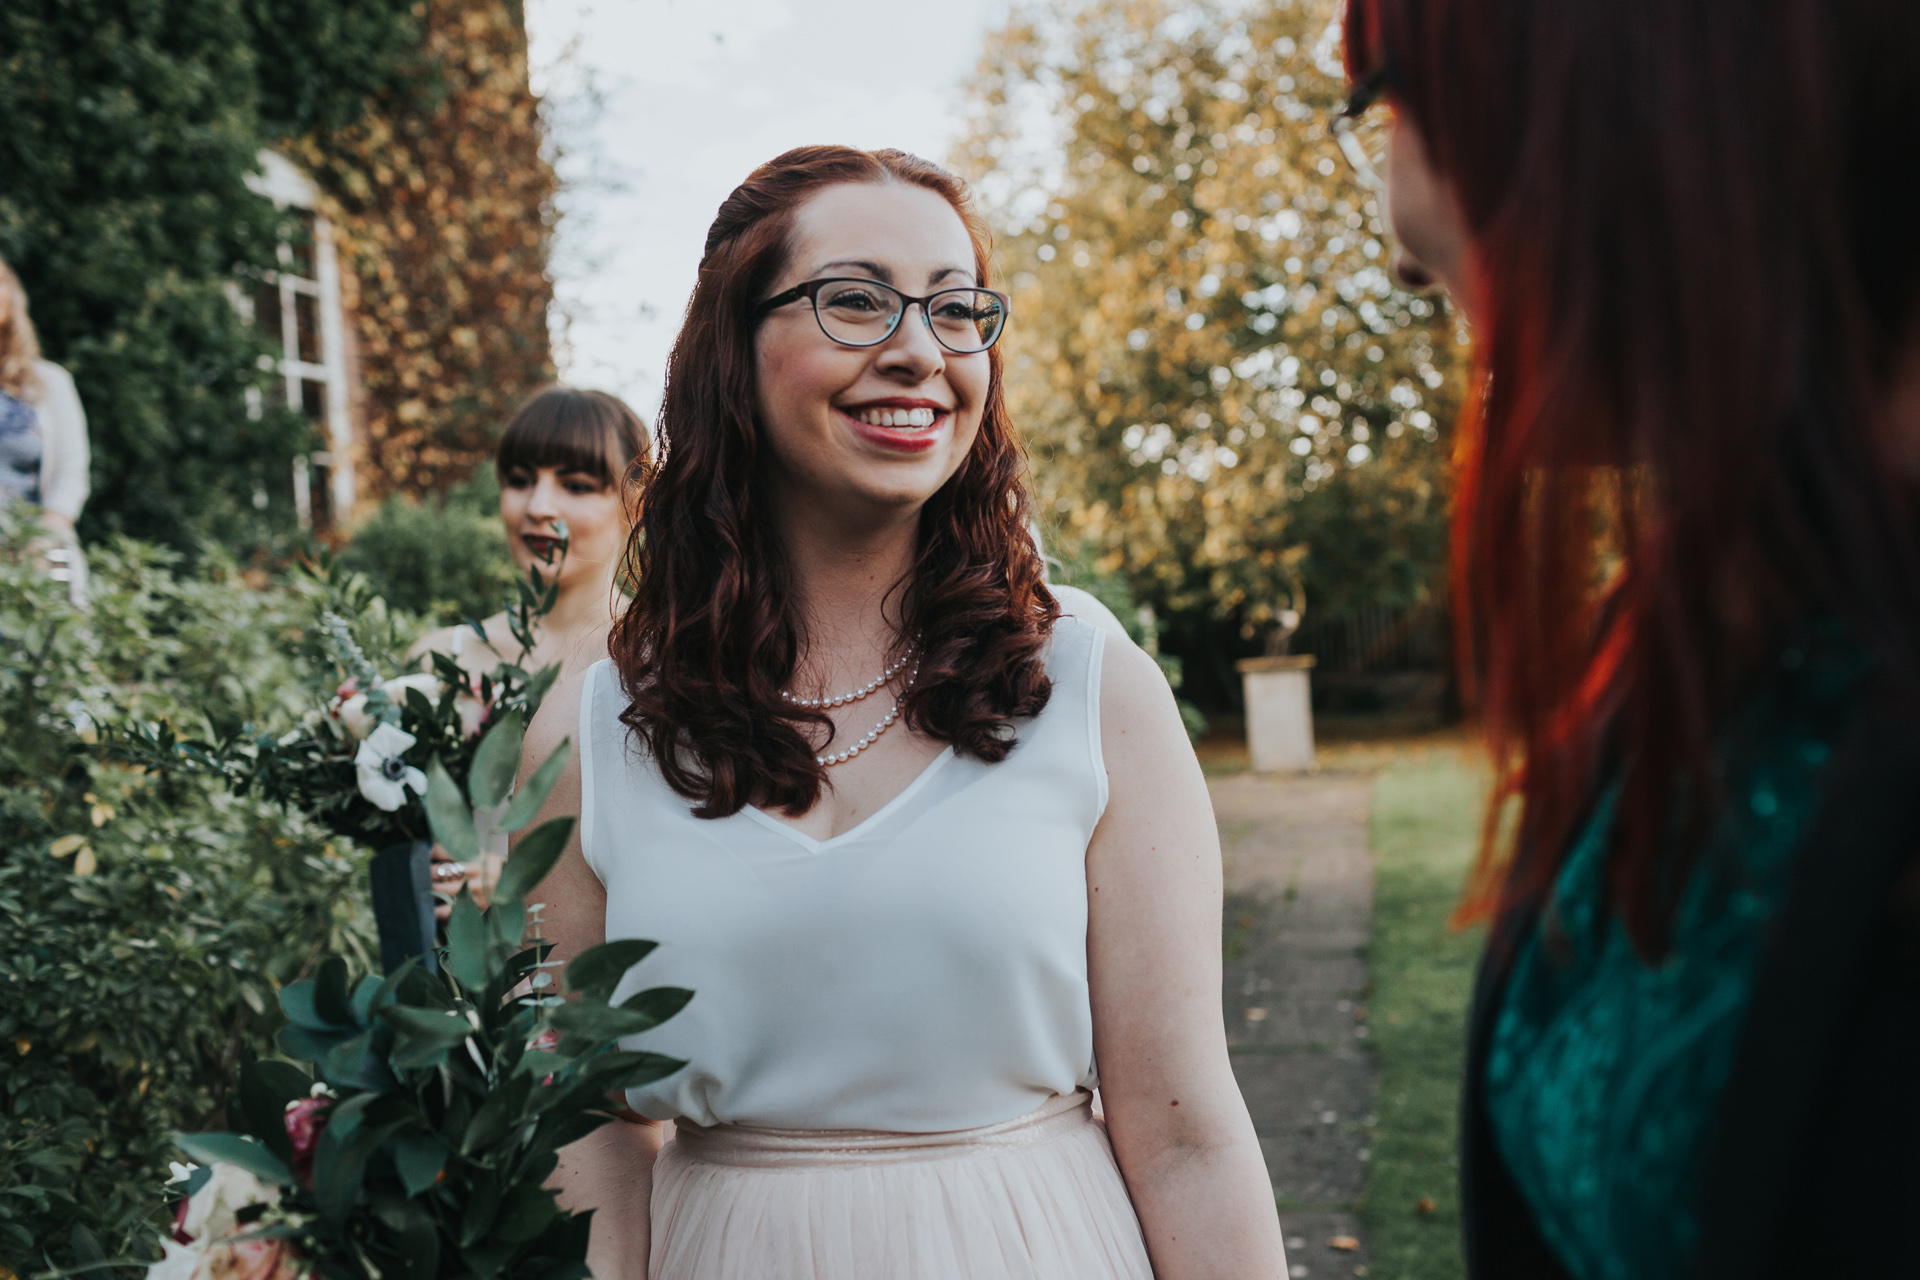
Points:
(419, 1141)
(358, 760)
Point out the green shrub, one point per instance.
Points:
(441, 560)
(145, 924)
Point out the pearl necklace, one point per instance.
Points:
(865, 690)
(873, 734)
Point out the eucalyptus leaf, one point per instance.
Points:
(467, 943)
(649, 1068)
(419, 1158)
(528, 799)
(441, 1030)
(231, 1148)
(266, 1087)
(331, 999)
(495, 761)
(658, 1003)
(296, 1001)
(306, 1045)
(448, 815)
(599, 1022)
(533, 857)
(525, 1213)
(596, 971)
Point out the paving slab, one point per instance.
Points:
(1299, 913)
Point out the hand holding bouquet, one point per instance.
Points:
(419, 1144)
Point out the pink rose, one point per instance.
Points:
(305, 1119)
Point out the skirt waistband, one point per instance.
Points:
(749, 1146)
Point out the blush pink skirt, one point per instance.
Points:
(1037, 1198)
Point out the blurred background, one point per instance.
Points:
(304, 264)
(304, 258)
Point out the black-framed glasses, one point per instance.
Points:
(858, 312)
(1363, 141)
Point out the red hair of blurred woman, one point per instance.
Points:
(1695, 273)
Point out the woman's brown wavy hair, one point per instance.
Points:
(713, 634)
(1695, 271)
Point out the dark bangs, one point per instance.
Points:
(586, 431)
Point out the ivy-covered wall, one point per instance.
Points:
(444, 209)
(127, 128)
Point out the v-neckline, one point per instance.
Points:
(812, 845)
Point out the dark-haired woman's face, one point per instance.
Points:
(869, 433)
(534, 500)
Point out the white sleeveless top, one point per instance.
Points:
(925, 971)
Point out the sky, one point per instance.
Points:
(661, 107)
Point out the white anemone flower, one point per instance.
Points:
(213, 1210)
(384, 774)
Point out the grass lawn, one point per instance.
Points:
(1425, 826)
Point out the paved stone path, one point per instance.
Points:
(1299, 912)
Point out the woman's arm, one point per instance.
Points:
(610, 1170)
(1179, 1126)
(65, 469)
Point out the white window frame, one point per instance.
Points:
(283, 183)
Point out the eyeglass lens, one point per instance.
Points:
(1363, 141)
(863, 313)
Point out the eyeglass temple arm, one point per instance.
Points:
(1367, 92)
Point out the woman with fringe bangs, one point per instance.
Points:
(926, 845)
(1686, 563)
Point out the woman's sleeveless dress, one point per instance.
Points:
(890, 1045)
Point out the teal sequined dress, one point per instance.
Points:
(1603, 1073)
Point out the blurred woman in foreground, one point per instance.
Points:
(1685, 556)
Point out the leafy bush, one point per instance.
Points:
(145, 923)
(442, 560)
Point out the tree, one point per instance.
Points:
(445, 211)
(130, 131)
(1224, 391)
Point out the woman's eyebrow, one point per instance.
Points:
(944, 272)
(874, 269)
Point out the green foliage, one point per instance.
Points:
(145, 922)
(1224, 389)
(442, 559)
(1425, 828)
(130, 130)
(318, 61)
(449, 1094)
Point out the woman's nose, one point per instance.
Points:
(912, 349)
(544, 504)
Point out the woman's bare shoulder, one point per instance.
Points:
(461, 642)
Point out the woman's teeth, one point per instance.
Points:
(895, 417)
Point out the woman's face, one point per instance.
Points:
(1425, 216)
(534, 500)
(869, 433)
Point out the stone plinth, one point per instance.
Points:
(1279, 713)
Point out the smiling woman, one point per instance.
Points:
(926, 839)
(567, 460)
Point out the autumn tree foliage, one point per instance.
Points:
(1225, 393)
(444, 206)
